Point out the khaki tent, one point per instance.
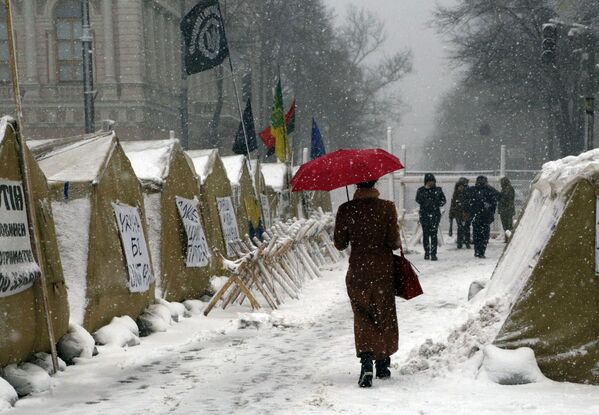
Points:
(244, 194)
(275, 183)
(547, 280)
(166, 173)
(86, 176)
(214, 183)
(23, 323)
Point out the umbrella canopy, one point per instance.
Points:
(344, 167)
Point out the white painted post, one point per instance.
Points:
(402, 174)
(390, 176)
(305, 155)
(503, 160)
(171, 134)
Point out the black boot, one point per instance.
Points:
(382, 368)
(366, 373)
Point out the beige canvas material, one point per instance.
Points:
(558, 310)
(22, 323)
(107, 293)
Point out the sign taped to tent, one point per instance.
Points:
(18, 269)
(265, 210)
(198, 253)
(135, 248)
(228, 222)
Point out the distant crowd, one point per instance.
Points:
(472, 207)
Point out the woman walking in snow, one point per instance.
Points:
(370, 226)
(458, 212)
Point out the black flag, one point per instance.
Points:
(239, 146)
(204, 34)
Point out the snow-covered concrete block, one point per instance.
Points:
(76, 343)
(27, 378)
(44, 360)
(254, 320)
(121, 332)
(8, 395)
(154, 319)
(511, 367)
(177, 310)
(194, 307)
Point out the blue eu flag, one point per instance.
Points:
(317, 149)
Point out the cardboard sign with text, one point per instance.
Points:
(198, 253)
(228, 222)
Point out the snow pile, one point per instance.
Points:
(76, 343)
(234, 167)
(203, 161)
(558, 177)
(177, 310)
(27, 378)
(8, 394)
(150, 159)
(121, 332)
(72, 219)
(194, 307)
(511, 367)
(462, 344)
(156, 318)
(44, 360)
(254, 320)
(274, 175)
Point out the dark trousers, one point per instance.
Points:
(481, 230)
(507, 221)
(463, 232)
(430, 227)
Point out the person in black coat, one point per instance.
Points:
(430, 198)
(482, 202)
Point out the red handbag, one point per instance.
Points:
(405, 279)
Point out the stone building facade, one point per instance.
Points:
(137, 69)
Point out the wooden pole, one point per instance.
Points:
(22, 148)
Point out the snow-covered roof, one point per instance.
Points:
(234, 167)
(3, 123)
(559, 176)
(274, 175)
(150, 159)
(203, 161)
(80, 161)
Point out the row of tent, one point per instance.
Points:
(85, 189)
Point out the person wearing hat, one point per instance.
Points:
(482, 202)
(430, 198)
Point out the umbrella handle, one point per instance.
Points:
(347, 193)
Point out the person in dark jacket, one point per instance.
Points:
(505, 206)
(430, 198)
(370, 226)
(458, 212)
(482, 202)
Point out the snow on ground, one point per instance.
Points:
(300, 360)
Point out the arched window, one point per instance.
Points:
(4, 68)
(67, 22)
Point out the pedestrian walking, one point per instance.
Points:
(431, 199)
(505, 206)
(459, 212)
(370, 226)
(482, 202)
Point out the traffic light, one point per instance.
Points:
(549, 43)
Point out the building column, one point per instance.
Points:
(151, 44)
(51, 45)
(31, 76)
(109, 89)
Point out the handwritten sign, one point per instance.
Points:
(265, 210)
(198, 253)
(228, 222)
(135, 248)
(18, 269)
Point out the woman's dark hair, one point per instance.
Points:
(366, 185)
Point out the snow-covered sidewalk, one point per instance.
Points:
(300, 360)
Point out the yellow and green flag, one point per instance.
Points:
(278, 126)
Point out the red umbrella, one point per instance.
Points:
(344, 167)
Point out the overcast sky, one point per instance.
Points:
(406, 23)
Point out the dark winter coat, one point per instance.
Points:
(505, 205)
(482, 203)
(458, 202)
(430, 201)
(370, 226)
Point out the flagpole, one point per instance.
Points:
(21, 147)
(184, 102)
(245, 135)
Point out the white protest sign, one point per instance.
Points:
(18, 269)
(198, 253)
(265, 210)
(135, 248)
(228, 222)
